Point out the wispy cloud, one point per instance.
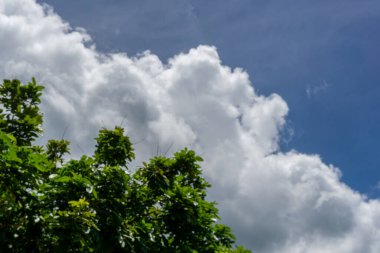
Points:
(315, 90)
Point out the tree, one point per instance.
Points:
(97, 204)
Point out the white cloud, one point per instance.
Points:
(315, 90)
(275, 202)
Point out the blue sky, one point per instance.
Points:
(275, 162)
(322, 57)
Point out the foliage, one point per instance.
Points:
(56, 149)
(20, 115)
(96, 204)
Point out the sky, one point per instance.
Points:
(279, 97)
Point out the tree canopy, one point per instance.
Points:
(96, 203)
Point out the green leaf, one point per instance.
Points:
(62, 179)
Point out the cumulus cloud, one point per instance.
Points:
(274, 201)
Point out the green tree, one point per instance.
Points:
(97, 204)
(20, 115)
